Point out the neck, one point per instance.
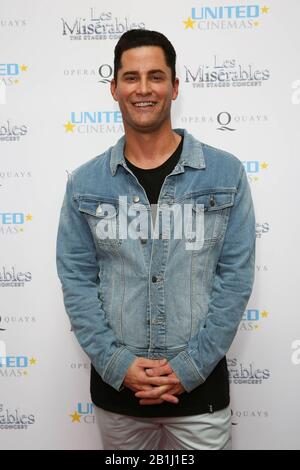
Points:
(152, 149)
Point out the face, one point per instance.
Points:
(144, 89)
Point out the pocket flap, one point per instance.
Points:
(214, 201)
(98, 208)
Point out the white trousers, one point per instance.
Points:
(209, 431)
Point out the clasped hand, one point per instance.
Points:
(153, 381)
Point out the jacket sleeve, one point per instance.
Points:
(232, 286)
(78, 271)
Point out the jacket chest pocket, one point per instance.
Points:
(103, 219)
(211, 211)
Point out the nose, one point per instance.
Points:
(144, 87)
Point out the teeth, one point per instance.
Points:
(144, 103)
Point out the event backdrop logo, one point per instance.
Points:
(94, 122)
(106, 73)
(225, 121)
(11, 132)
(238, 415)
(83, 413)
(225, 17)
(13, 176)
(262, 268)
(80, 366)
(254, 169)
(13, 278)
(15, 419)
(16, 320)
(14, 223)
(11, 74)
(16, 366)
(225, 72)
(98, 25)
(12, 23)
(246, 374)
(253, 319)
(262, 229)
(101, 74)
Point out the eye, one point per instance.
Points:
(130, 78)
(157, 78)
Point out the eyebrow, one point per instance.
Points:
(135, 72)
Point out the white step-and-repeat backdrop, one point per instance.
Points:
(239, 70)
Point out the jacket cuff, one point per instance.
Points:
(186, 370)
(117, 367)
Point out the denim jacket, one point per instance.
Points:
(157, 296)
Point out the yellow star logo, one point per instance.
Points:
(75, 417)
(256, 23)
(32, 361)
(264, 165)
(265, 9)
(69, 127)
(264, 314)
(189, 23)
(28, 217)
(23, 68)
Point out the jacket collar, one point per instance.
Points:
(191, 155)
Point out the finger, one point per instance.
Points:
(156, 401)
(176, 390)
(166, 392)
(136, 387)
(172, 391)
(156, 392)
(139, 387)
(145, 387)
(156, 371)
(169, 398)
(144, 362)
(162, 380)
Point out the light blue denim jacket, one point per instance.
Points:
(155, 298)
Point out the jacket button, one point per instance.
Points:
(154, 278)
(99, 210)
(136, 198)
(212, 201)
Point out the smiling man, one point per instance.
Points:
(156, 311)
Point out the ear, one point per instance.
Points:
(113, 89)
(175, 89)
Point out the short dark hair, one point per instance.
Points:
(144, 37)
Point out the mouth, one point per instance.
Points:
(144, 104)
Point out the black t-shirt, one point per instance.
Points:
(152, 179)
(213, 394)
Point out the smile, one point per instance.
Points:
(144, 104)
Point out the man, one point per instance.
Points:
(156, 309)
